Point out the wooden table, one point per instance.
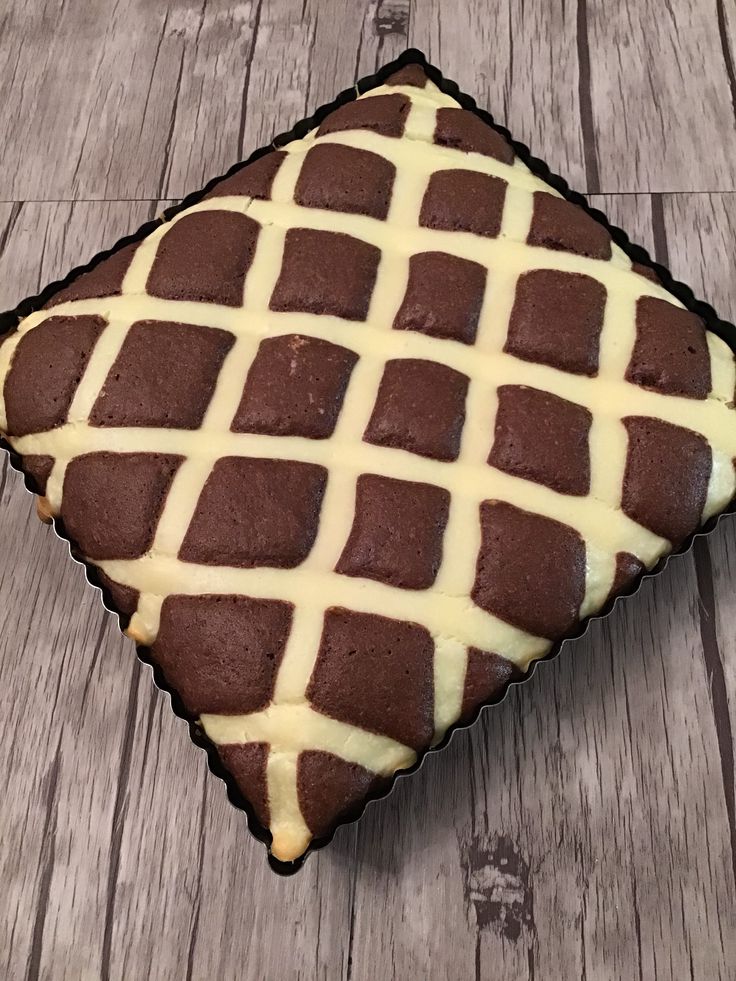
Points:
(586, 828)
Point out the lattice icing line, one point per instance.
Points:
(289, 725)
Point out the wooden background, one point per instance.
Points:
(584, 829)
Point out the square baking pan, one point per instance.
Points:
(10, 320)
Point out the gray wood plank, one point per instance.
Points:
(306, 51)
(700, 231)
(726, 23)
(662, 87)
(75, 78)
(278, 90)
(130, 96)
(143, 100)
(278, 62)
(717, 569)
(146, 101)
(211, 44)
(347, 42)
(521, 63)
(286, 928)
(703, 257)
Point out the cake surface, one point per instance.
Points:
(361, 435)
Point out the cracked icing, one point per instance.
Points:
(335, 555)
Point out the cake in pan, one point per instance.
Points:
(363, 433)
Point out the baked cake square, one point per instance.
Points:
(361, 434)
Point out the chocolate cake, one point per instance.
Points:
(360, 435)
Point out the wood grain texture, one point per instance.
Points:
(508, 38)
(703, 257)
(586, 828)
(675, 58)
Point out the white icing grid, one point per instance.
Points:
(289, 725)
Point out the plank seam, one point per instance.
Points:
(246, 80)
(727, 58)
(48, 857)
(716, 683)
(585, 98)
(116, 831)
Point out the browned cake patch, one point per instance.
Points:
(671, 351)
(341, 178)
(397, 532)
(486, 675)
(256, 512)
(443, 297)
(464, 201)
(666, 477)
(420, 407)
(329, 787)
(384, 114)
(124, 599)
(106, 279)
(205, 257)
(221, 653)
(141, 388)
(542, 437)
(409, 75)
(530, 571)
(326, 273)
(47, 367)
(628, 568)
(558, 224)
(463, 130)
(571, 306)
(376, 673)
(646, 271)
(112, 501)
(247, 765)
(295, 387)
(255, 180)
(39, 466)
